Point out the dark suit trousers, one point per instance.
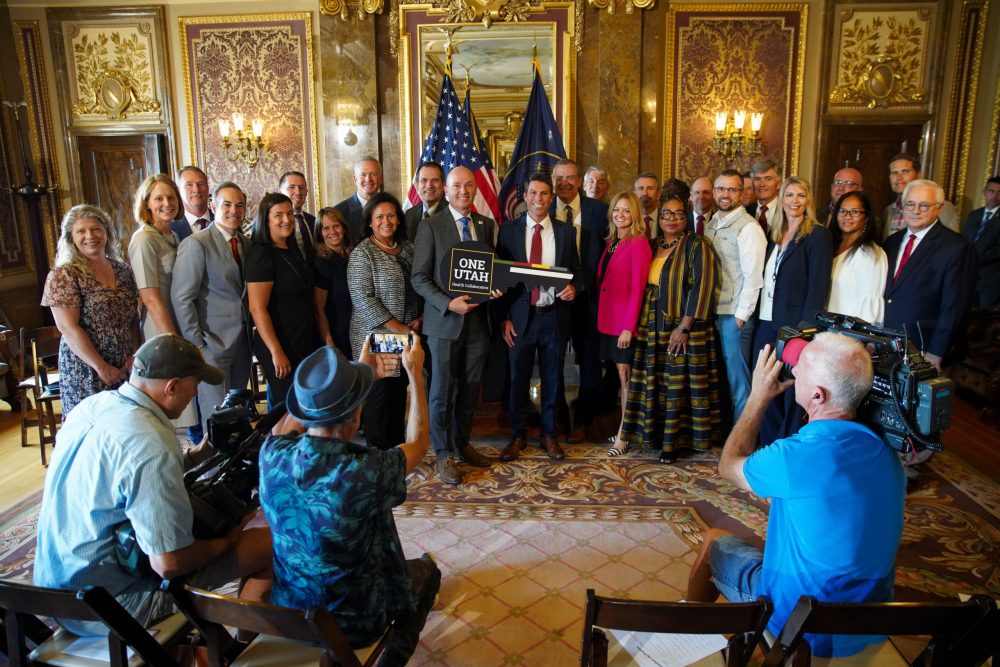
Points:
(586, 345)
(456, 371)
(236, 371)
(541, 335)
(384, 413)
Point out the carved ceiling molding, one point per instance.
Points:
(345, 8)
(630, 5)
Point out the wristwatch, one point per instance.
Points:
(684, 331)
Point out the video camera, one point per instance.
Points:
(909, 405)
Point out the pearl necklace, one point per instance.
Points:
(394, 245)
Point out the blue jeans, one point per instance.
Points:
(735, 345)
(736, 568)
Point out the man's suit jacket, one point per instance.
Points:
(436, 236)
(987, 253)
(207, 293)
(593, 231)
(351, 209)
(934, 289)
(415, 214)
(182, 227)
(803, 282)
(516, 303)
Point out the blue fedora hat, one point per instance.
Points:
(327, 387)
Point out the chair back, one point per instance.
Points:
(23, 602)
(36, 345)
(745, 621)
(947, 623)
(209, 612)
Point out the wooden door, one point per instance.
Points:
(112, 167)
(867, 148)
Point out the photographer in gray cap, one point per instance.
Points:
(117, 460)
(329, 501)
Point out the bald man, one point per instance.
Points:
(844, 181)
(702, 205)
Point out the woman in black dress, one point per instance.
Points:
(281, 290)
(333, 245)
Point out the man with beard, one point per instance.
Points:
(647, 188)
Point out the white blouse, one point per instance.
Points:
(858, 284)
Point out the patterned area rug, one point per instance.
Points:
(519, 543)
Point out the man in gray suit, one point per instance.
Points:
(430, 188)
(207, 294)
(458, 331)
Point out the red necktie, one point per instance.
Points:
(536, 258)
(906, 256)
(235, 246)
(201, 223)
(762, 219)
(700, 227)
(649, 226)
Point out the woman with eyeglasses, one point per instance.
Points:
(797, 271)
(860, 265)
(673, 397)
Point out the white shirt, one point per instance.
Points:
(458, 223)
(916, 242)
(547, 296)
(193, 219)
(753, 247)
(577, 215)
(767, 295)
(858, 282)
(772, 207)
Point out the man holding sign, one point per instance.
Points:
(539, 319)
(457, 329)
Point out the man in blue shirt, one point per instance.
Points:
(836, 495)
(329, 502)
(117, 459)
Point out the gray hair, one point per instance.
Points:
(761, 166)
(843, 367)
(66, 251)
(594, 169)
(925, 183)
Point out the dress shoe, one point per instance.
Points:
(447, 471)
(473, 457)
(551, 445)
(576, 436)
(513, 448)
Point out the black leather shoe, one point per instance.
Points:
(447, 471)
(473, 457)
(513, 448)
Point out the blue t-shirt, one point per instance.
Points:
(836, 519)
(329, 504)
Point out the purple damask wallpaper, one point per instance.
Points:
(261, 68)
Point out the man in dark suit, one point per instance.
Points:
(646, 187)
(702, 205)
(931, 275)
(766, 181)
(207, 295)
(458, 331)
(193, 186)
(589, 218)
(367, 181)
(982, 230)
(844, 181)
(537, 320)
(430, 188)
(293, 185)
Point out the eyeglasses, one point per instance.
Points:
(848, 184)
(731, 191)
(923, 206)
(851, 212)
(667, 214)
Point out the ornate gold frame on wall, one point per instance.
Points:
(559, 19)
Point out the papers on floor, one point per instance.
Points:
(645, 649)
(95, 648)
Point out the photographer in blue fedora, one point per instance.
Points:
(329, 501)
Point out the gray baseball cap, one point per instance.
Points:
(170, 356)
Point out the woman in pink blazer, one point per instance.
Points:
(621, 279)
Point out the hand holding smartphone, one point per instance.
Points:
(389, 346)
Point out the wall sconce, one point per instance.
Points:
(348, 113)
(731, 139)
(247, 144)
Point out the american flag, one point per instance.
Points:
(451, 143)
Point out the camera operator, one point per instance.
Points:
(118, 460)
(836, 493)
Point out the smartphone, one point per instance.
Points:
(387, 343)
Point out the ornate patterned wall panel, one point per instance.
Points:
(884, 58)
(262, 66)
(13, 236)
(726, 57)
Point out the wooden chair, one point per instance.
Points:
(745, 621)
(287, 637)
(22, 604)
(39, 351)
(954, 628)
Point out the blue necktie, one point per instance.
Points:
(982, 226)
(466, 234)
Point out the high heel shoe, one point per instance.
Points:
(618, 449)
(668, 457)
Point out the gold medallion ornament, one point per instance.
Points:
(113, 76)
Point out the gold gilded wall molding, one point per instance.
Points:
(343, 8)
(962, 101)
(15, 258)
(993, 150)
(883, 57)
(31, 64)
(630, 5)
(113, 69)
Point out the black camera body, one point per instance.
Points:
(909, 404)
